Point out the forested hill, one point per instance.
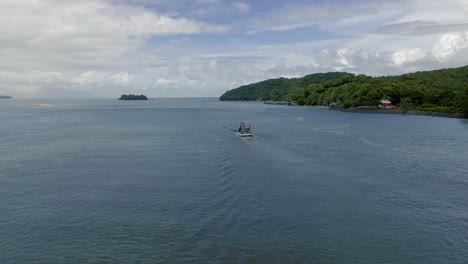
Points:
(440, 91)
(277, 89)
(443, 90)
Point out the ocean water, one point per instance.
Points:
(161, 181)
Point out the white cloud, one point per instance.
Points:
(90, 77)
(58, 45)
(380, 17)
(122, 78)
(435, 11)
(146, 23)
(100, 48)
(407, 56)
(450, 45)
(65, 33)
(326, 15)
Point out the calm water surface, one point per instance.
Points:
(161, 181)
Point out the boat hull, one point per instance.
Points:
(244, 134)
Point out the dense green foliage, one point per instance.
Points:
(443, 90)
(133, 97)
(437, 91)
(277, 89)
(464, 102)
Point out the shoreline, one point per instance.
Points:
(373, 110)
(290, 103)
(402, 112)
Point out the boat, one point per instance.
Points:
(244, 131)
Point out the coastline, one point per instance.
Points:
(290, 103)
(372, 110)
(402, 112)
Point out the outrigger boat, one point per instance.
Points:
(244, 131)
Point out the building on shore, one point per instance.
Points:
(386, 104)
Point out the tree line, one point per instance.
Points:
(277, 89)
(443, 90)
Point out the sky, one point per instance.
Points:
(202, 48)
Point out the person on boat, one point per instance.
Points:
(241, 128)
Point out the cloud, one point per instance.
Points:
(451, 45)
(406, 56)
(212, 73)
(401, 17)
(61, 44)
(300, 16)
(144, 24)
(241, 7)
(414, 28)
(86, 33)
(99, 77)
(220, 9)
(103, 48)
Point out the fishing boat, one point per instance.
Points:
(244, 131)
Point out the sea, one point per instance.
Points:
(168, 181)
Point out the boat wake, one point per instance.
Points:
(269, 149)
(368, 142)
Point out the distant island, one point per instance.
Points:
(133, 97)
(5, 97)
(444, 90)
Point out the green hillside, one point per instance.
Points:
(277, 89)
(439, 91)
(443, 90)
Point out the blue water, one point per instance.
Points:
(161, 181)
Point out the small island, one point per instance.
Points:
(5, 97)
(133, 97)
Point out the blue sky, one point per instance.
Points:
(165, 48)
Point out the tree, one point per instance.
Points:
(440, 90)
(301, 101)
(464, 102)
